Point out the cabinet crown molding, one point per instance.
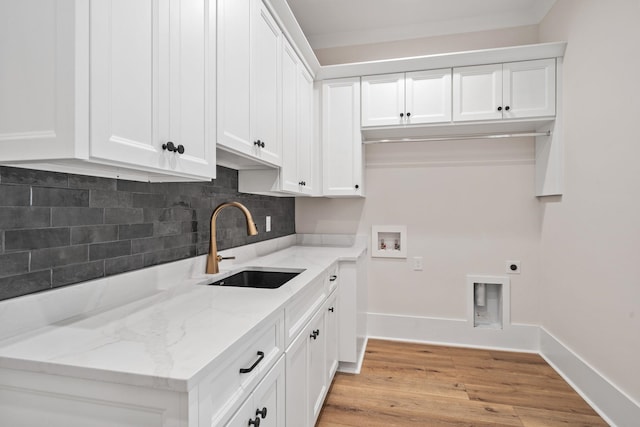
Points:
(444, 60)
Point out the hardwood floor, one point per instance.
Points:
(405, 384)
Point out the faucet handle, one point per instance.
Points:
(220, 257)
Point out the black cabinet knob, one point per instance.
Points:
(507, 108)
(357, 186)
(262, 412)
(401, 115)
(331, 309)
(262, 144)
(408, 114)
(499, 108)
(257, 143)
(169, 146)
(180, 149)
(255, 422)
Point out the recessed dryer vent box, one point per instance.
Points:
(389, 241)
(488, 301)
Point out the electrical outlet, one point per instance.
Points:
(417, 263)
(512, 267)
(267, 226)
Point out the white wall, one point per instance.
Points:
(590, 243)
(468, 206)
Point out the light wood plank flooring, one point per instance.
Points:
(405, 384)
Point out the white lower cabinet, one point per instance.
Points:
(331, 326)
(266, 406)
(311, 363)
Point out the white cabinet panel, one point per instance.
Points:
(317, 365)
(297, 381)
(290, 137)
(477, 92)
(428, 96)
(41, 87)
(265, 84)
(341, 139)
(529, 88)
(128, 102)
(331, 327)
(306, 158)
(512, 90)
(383, 100)
(266, 405)
(234, 75)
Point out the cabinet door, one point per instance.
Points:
(192, 83)
(291, 120)
(428, 96)
(39, 96)
(234, 76)
(305, 130)
(269, 397)
(265, 407)
(317, 336)
(129, 111)
(331, 326)
(297, 381)
(383, 100)
(265, 84)
(341, 138)
(529, 88)
(477, 93)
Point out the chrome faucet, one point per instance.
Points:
(213, 258)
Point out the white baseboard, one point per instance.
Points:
(613, 405)
(452, 332)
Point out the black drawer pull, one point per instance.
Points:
(333, 278)
(331, 309)
(247, 370)
(255, 422)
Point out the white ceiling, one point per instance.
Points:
(331, 23)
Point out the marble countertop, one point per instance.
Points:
(168, 339)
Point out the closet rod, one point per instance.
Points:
(459, 137)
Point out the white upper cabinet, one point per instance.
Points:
(297, 133)
(406, 98)
(306, 157)
(529, 89)
(152, 84)
(234, 67)
(383, 100)
(249, 80)
(428, 96)
(342, 170)
(513, 90)
(100, 87)
(265, 84)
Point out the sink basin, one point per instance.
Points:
(258, 277)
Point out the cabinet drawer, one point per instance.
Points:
(298, 312)
(222, 392)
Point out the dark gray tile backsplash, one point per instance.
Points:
(58, 229)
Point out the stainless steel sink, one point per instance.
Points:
(258, 277)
